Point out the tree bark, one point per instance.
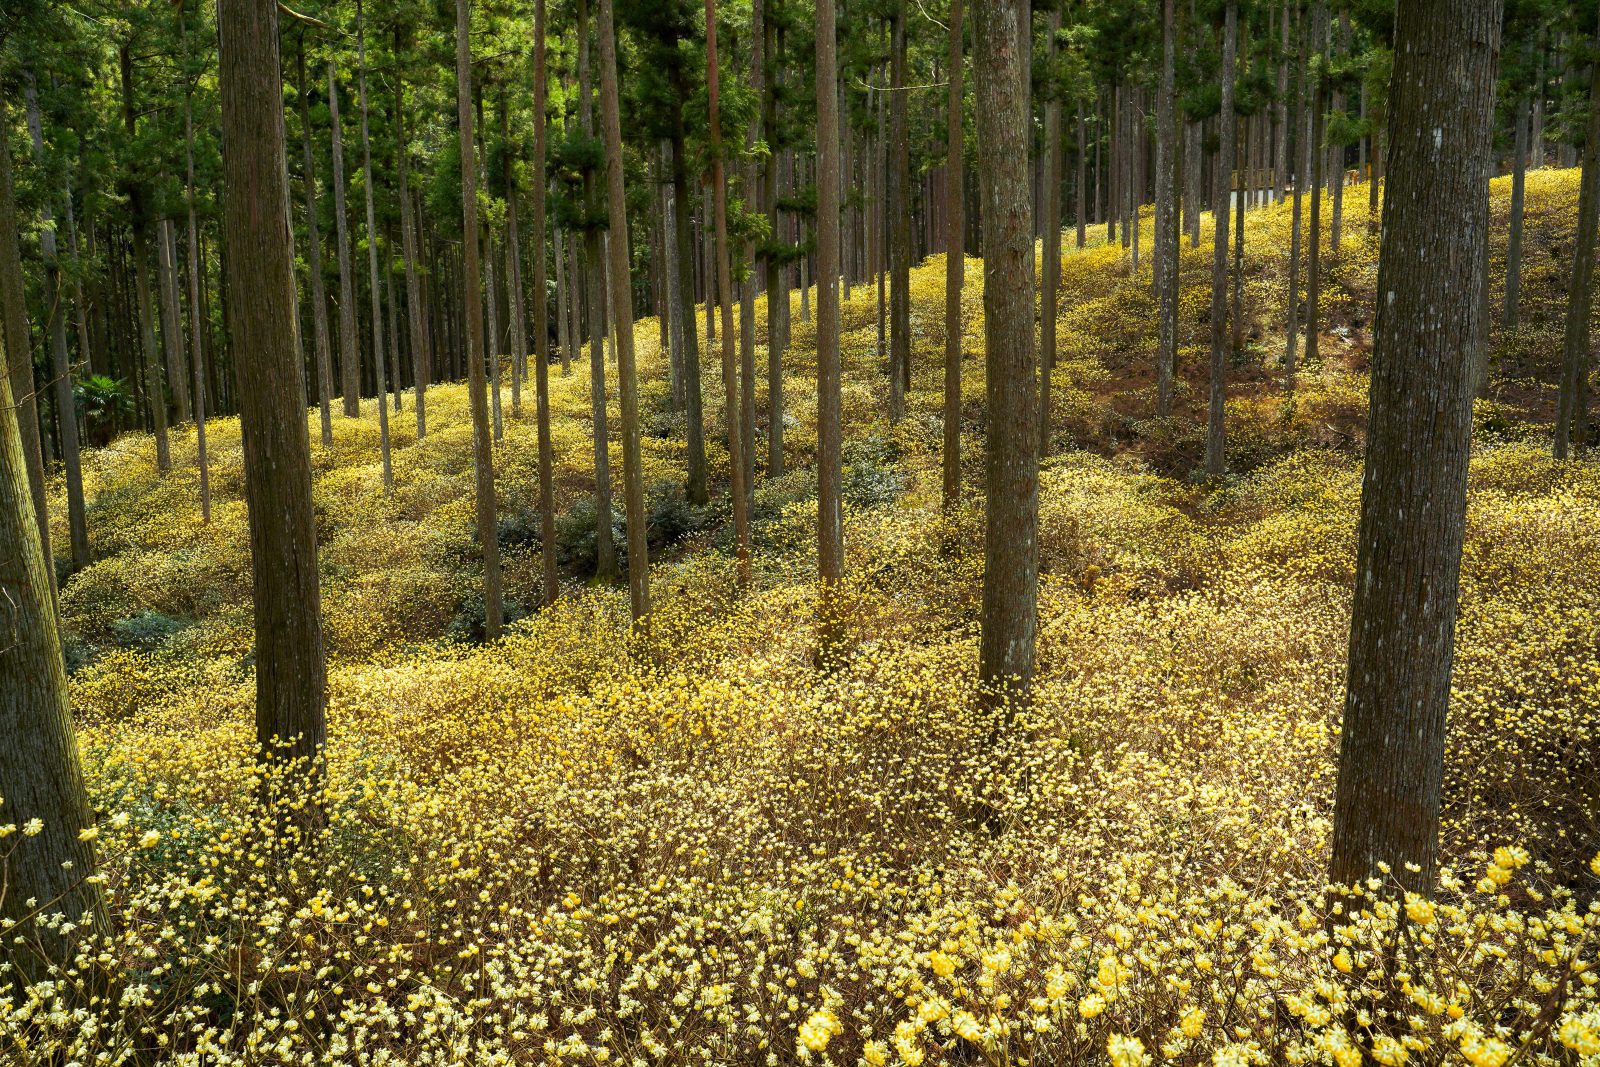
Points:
(196, 307)
(319, 299)
(349, 341)
(1050, 280)
(622, 318)
(60, 366)
(696, 488)
(594, 276)
(724, 277)
(955, 259)
(291, 674)
(1216, 458)
(374, 286)
(40, 776)
(541, 328)
(1419, 429)
(421, 357)
(899, 208)
(830, 519)
(1571, 402)
(1303, 123)
(472, 310)
(1166, 221)
(19, 354)
(1519, 174)
(155, 390)
(1010, 540)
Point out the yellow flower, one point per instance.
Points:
(1193, 1022)
(1484, 1051)
(817, 1030)
(1389, 1052)
(1126, 1051)
(941, 964)
(965, 1025)
(150, 839)
(1091, 1005)
(88, 833)
(875, 1053)
(1342, 961)
(1419, 909)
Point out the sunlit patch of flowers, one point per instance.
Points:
(684, 845)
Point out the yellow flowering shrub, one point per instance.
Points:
(586, 843)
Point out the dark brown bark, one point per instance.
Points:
(1166, 220)
(375, 287)
(1317, 155)
(594, 277)
(19, 352)
(197, 315)
(319, 299)
(830, 517)
(696, 487)
(133, 187)
(1571, 402)
(349, 340)
(1303, 165)
(1419, 429)
(40, 776)
(899, 214)
(622, 318)
(472, 311)
(291, 675)
(724, 279)
(541, 328)
(421, 356)
(171, 319)
(1519, 174)
(1050, 272)
(955, 259)
(777, 281)
(1216, 458)
(60, 366)
(1010, 541)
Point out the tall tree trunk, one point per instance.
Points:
(899, 207)
(541, 328)
(40, 776)
(171, 318)
(622, 317)
(1571, 402)
(955, 259)
(1519, 174)
(724, 277)
(1216, 458)
(1078, 191)
(594, 277)
(1010, 539)
(696, 488)
(421, 357)
(374, 286)
(1166, 222)
(1050, 287)
(1303, 123)
(319, 299)
(1319, 33)
(1280, 145)
(349, 340)
(155, 390)
(472, 310)
(563, 332)
(777, 294)
(291, 673)
(19, 354)
(1419, 431)
(197, 315)
(1236, 319)
(513, 253)
(830, 516)
(60, 366)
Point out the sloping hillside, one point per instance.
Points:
(685, 845)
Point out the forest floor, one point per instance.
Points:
(687, 846)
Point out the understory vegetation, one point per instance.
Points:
(683, 844)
